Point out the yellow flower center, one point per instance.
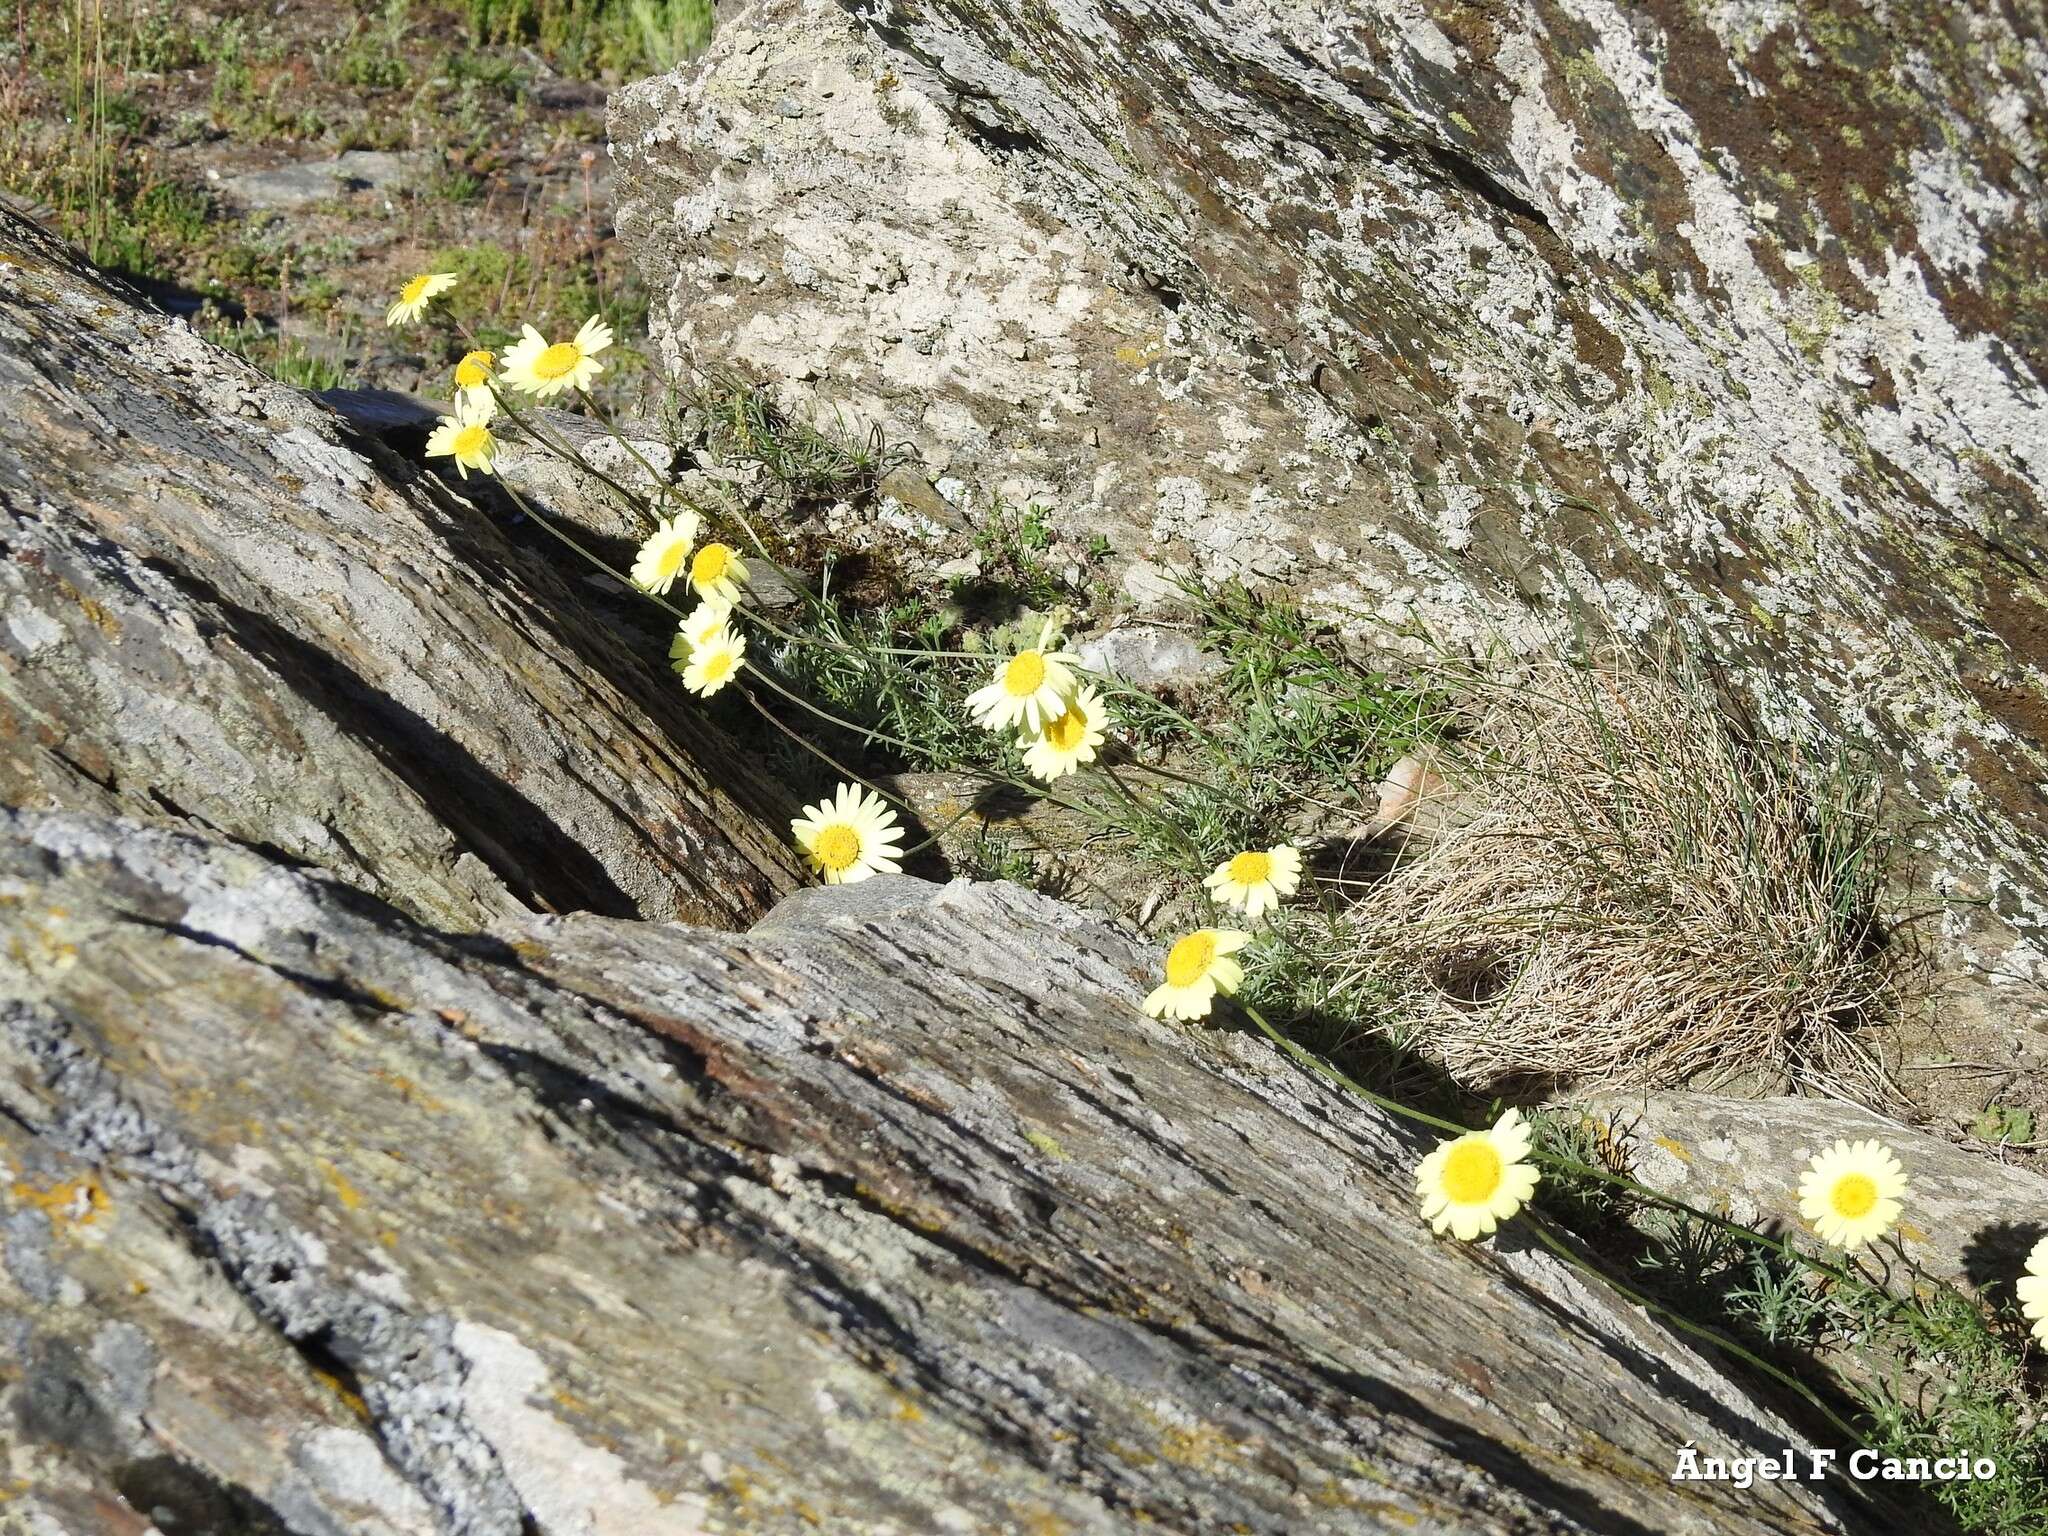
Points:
(1069, 731)
(1189, 960)
(410, 293)
(710, 564)
(837, 847)
(672, 557)
(1025, 675)
(1853, 1195)
(1251, 868)
(559, 361)
(717, 667)
(474, 368)
(471, 442)
(1472, 1171)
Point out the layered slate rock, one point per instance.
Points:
(220, 606)
(896, 1215)
(1452, 319)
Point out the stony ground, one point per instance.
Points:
(274, 171)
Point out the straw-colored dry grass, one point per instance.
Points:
(1632, 893)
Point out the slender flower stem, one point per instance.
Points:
(569, 453)
(847, 773)
(1111, 684)
(817, 751)
(566, 452)
(604, 418)
(1150, 813)
(817, 642)
(870, 734)
(1713, 1337)
(867, 733)
(789, 637)
(596, 560)
(1168, 773)
(965, 812)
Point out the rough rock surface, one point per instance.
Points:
(292, 187)
(896, 1215)
(219, 605)
(1971, 1219)
(1441, 313)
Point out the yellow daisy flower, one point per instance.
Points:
(1256, 880)
(718, 573)
(1473, 1183)
(466, 438)
(660, 560)
(1852, 1192)
(416, 295)
(1069, 740)
(473, 380)
(2032, 1290)
(543, 369)
(697, 628)
(850, 836)
(714, 662)
(1031, 688)
(1197, 968)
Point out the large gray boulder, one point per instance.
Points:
(1449, 317)
(224, 608)
(901, 1217)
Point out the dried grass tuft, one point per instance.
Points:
(1637, 894)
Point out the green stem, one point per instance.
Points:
(654, 476)
(965, 812)
(1684, 1324)
(597, 560)
(1111, 684)
(1150, 813)
(567, 452)
(819, 752)
(867, 733)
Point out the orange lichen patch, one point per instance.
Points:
(1673, 1148)
(907, 1411)
(409, 1090)
(1201, 1447)
(41, 952)
(1910, 1233)
(101, 616)
(351, 1198)
(72, 1202)
(350, 1398)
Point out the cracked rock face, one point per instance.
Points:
(220, 605)
(896, 1214)
(1450, 315)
